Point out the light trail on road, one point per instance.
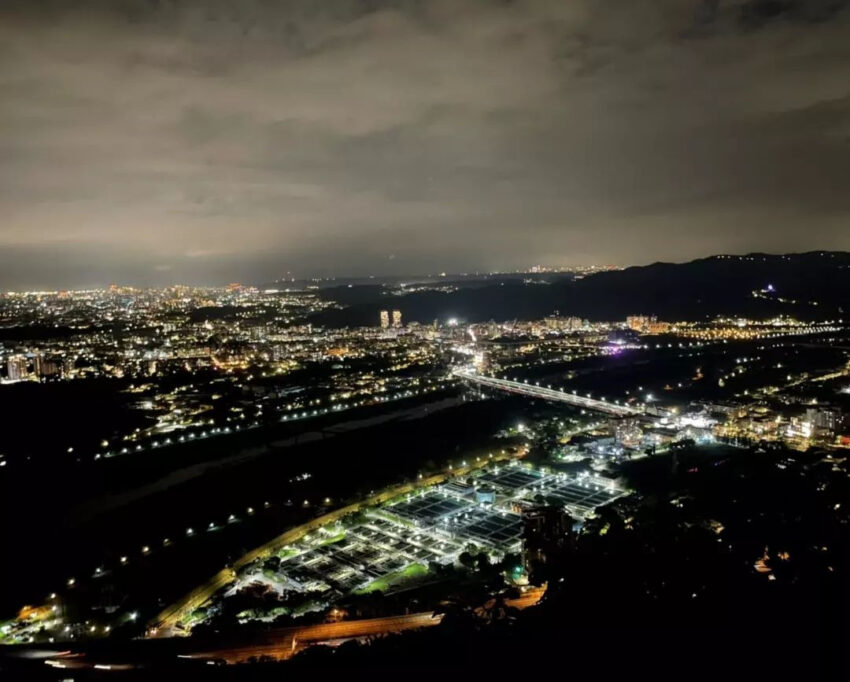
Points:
(285, 643)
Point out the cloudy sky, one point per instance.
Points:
(207, 141)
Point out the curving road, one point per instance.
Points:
(286, 642)
(278, 644)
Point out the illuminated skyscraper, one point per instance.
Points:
(396, 318)
(385, 319)
(481, 361)
(824, 421)
(16, 368)
(46, 367)
(38, 365)
(628, 432)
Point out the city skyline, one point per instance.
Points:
(280, 283)
(424, 335)
(205, 142)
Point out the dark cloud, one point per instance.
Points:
(209, 140)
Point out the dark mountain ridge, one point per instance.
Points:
(808, 286)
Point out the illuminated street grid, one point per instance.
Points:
(434, 525)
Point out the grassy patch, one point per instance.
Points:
(385, 582)
(334, 538)
(197, 616)
(7, 627)
(389, 516)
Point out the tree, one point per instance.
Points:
(509, 563)
(497, 609)
(272, 564)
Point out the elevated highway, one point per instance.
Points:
(543, 393)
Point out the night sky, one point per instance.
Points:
(209, 141)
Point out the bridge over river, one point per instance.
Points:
(544, 393)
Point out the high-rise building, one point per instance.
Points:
(396, 318)
(385, 319)
(824, 421)
(38, 364)
(628, 432)
(547, 538)
(564, 324)
(640, 323)
(659, 328)
(481, 361)
(50, 367)
(45, 366)
(575, 324)
(69, 364)
(16, 368)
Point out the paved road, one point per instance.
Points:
(284, 643)
(279, 644)
(287, 643)
(535, 391)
